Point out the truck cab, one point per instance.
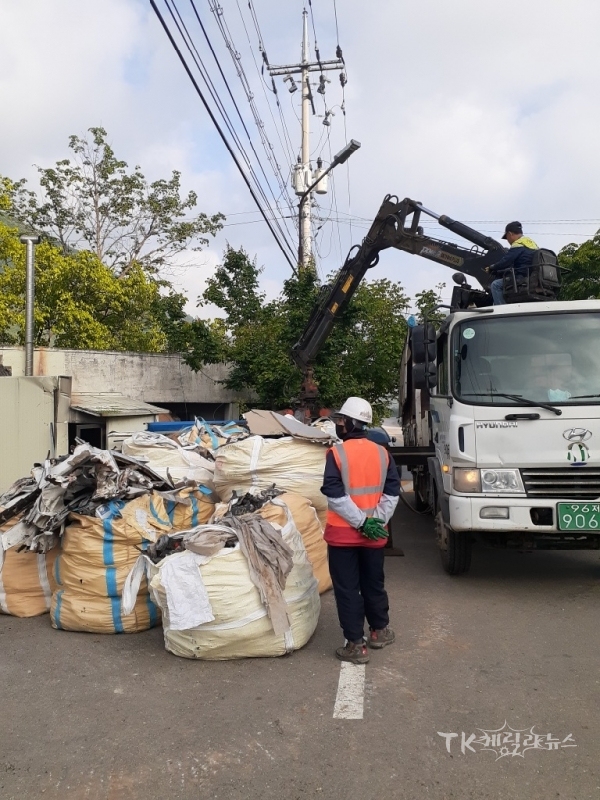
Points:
(512, 420)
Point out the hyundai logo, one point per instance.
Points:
(577, 435)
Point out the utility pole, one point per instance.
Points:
(303, 176)
(305, 245)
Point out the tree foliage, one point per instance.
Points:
(94, 201)
(581, 265)
(80, 303)
(427, 302)
(108, 232)
(360, 357)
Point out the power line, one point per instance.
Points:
(219, 103)
(216, 98)
(287, 142)
(225, 115)
(220, 131)
(219, 14)
(466, 221)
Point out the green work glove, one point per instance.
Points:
(373, 529)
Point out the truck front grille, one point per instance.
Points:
(577, 483)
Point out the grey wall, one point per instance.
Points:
(141, 376)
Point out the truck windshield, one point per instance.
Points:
(548, 358)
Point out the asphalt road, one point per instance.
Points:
(85, 717)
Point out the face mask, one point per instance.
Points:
(340, 430)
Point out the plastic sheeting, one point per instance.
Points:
(162, 454)
(241, 627)
(256, 463)
(306, 520)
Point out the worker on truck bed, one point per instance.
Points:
(362, 487)
(520, 256)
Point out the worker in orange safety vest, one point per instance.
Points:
(362, 487)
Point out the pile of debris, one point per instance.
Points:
(79, 484)
(126, 536)
(87, 516)
(239, 587)
(211, 437)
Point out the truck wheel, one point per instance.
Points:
(455, 548)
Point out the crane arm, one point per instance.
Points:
(397, 225)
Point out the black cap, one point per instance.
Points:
(513, 227)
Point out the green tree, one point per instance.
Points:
(200, 341)
(79, 301)
(581, 265)
(94, 201)
(427, 302)
(234, 287)
(360, 357)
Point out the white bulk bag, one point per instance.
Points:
(256, 463)
(162, 454)
(241, 627)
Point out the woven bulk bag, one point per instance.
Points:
(95, 614)
(256, 463)
(306, 520)
(163, 454)
(241, 627)
(26, 579)
(96, 558)
(199, 510)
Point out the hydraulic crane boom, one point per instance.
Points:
(396, 225)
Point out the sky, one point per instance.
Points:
(481, 110)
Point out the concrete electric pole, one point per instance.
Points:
(305, 180)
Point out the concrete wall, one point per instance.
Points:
(34, 414)
(153, 378)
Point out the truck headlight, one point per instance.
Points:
(501, 480)
(466, 480)
(495, 481)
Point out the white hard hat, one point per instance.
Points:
(358, 409)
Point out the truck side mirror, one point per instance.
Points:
(423, 348)
(424, 376)
(422, 343)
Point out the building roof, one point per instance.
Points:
(113, 404)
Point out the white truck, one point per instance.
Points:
(511, 423)
(500, 407)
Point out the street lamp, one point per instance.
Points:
(29, 240)
(339, 158)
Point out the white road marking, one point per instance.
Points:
(349, 701)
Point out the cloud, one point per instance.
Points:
(485, 112)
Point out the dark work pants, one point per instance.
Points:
(357, 575)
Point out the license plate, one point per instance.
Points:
(579, 517)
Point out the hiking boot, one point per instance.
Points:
(379, 639)
(354, 652)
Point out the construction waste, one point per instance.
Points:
(239, 587)
(280, 450)
(169, 458)
(101, 507)
(211, 437)
(256, 463)
(99, 552)
(116, 542)
(275, 507)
